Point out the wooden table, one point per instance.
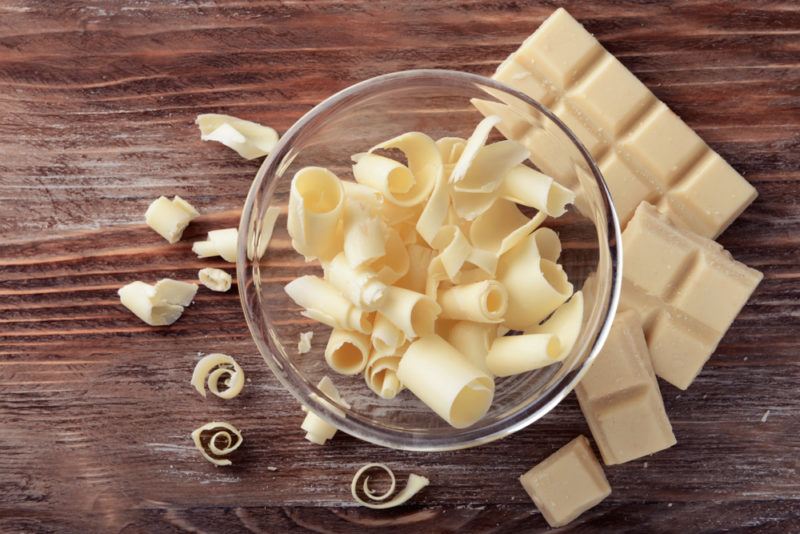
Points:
(97, 106)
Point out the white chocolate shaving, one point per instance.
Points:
(219, 243)
(481, 302)
(411, 312)
(419, 258)
(214, 368)
(512, 355)
(436, 208)
(304, 344)
(450, 149)
(364, 239)
(502, 226)
(215, 279)
(318, 431)
(490, 165)
(160, 304)
(454, 249)
(225, 439)
(169, 218)
(424, 162)
(565, 323)
(363, 194)
(473, 341)
(528, 187)
(256, 251)
(392, 266)
(471, 204)
(316, 203)
(386, 337)
(175, 292)
(249, 139)
(474, 143)
(414, 484)
(445, 380)
(393, 215)
(360, 285)
(347, 352)
(323, 303)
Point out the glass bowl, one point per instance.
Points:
(439, 103)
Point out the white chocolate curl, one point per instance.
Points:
(169, 218)
(347, 352)
(565, 323)
(249, 139)
(424, 162)
(219, 243)
(502, 226)
(491, 163)
(323, 303)
(536, 285)
(414, 484)
(434, 213)
(216, 368)
(316, 203)
(380, 374)
(528, 187)
(512, 355)
(470, 150)
(215, 279)
(386, 337)
(446, 382)
(481, 302)
(473, 340)
(318, 431)
(419, 259)
(411, 312)
(360, 285)
(225, 439)
(364, 238)
(394, 264)
(391, 178)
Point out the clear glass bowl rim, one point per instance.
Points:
(309, 395)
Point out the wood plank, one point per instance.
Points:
(97, 107)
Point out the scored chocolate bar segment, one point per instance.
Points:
(620, 399)
(567, 483)
(644, 150)
(686, 288)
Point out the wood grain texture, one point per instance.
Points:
(97, 102)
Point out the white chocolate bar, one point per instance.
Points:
(645, 151)
(567, 483)
(687, 290)
(620, 398)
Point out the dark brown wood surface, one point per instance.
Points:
(97, 103)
